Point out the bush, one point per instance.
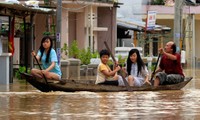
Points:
(158, 2)
(22, 69)
(95, 54)
(64, 48)
(122, 61)
(46, 33)
(85, 56)
(74, 50)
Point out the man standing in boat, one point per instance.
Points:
(170, 70)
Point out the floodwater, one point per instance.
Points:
(21, 101)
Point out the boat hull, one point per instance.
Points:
(88, 85)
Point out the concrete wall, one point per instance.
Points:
(197, 38)
(40, 27)
(80, 29)
(65, 27)
(107, 18)
(72, 27)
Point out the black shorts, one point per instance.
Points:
(109, 82)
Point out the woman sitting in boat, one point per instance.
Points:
(170, 69)
(105, 75)
(136, 69)
(47, 55)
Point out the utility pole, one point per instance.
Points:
(58, 28)
(32, 38)
(178, 22)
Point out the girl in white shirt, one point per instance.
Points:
(136, 69)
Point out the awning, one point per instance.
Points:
(129, 23)
(136, 25)
(190, 2)
(128, 26)
(22, 8)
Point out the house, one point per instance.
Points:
(132, 29)
(88, 22)
(165, 17)
(189, 34)
(13, 18)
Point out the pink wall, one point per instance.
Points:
(107, 18)
(40, 25)
(72, 27)
(80, 36)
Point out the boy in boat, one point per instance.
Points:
(105, 75)
(170, 69)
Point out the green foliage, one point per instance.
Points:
(158, 2)
(74, 50)
(46, 33)
(85, 56)
(53, 28)
(47, 2)
(152, 67)
(121, 60)
(95, 54)
(64, 49)
(22, 69)
(110, 64)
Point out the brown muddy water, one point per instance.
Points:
(20, 101)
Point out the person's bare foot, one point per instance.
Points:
(147, 84)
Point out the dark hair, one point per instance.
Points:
(104, 52)
(174, 48)
(140, 62)
(42, 48)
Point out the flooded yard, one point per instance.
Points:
(21, 101)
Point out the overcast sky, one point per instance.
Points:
(131, 8)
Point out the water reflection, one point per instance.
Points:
(22, 101)
(87, 105)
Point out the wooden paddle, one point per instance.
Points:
(45, 79)
(124, 80)
(155, 68)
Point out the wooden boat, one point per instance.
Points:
(88, 85)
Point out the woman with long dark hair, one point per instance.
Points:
(47, 55)
(136, 69)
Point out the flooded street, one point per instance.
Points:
(22, 101)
